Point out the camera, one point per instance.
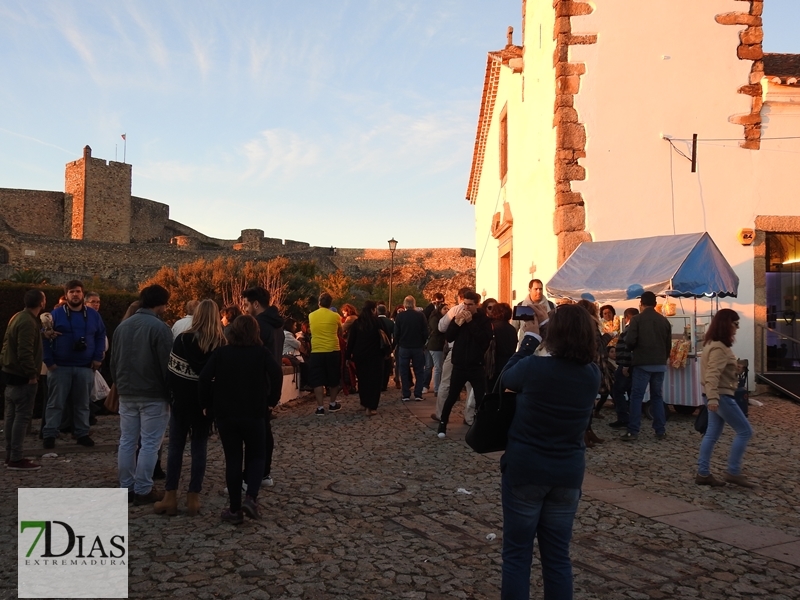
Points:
(79, 345)
(523, 313)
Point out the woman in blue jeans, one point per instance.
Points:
(187, 359)
(720, 379)
(544, 462)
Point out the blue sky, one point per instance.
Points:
(336, 123)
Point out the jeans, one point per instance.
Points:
(460, 376)
(19, 408)
(233, 432)
(546, 513)
(437, 358)
(178, 429)
(641, 379)
(148, 419)
(621, 393)
(730, 413)
(416, 358)
(444, 390)
(77, 383)
(426, 378)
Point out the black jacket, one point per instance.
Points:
(410, 329)
(271, 327)
(649, 338)
(470, 340)
(240, 381)
(505, 340)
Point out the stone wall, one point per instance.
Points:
(148, 220)
(33, 211)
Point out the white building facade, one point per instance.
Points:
(582, 133)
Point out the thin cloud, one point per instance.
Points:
(33, 139)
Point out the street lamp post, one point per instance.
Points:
(392, 248)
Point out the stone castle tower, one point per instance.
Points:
(97, 203)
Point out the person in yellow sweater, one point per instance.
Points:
(720, 380)
(325, 360)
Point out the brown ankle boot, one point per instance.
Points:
(192, 503)
(739, 480)
(593, 436)
(168, 505)
(708, 480)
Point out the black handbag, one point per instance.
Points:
(489, 429)
(742, 398)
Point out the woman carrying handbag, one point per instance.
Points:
(719, 372)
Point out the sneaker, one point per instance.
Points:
(85, 440)
(266, 481)
(661, 436)
(629, 437)
(417, 399)
(234, 518)
(151, 497)
(424, 390)
(435, 418)
(739, 480)
(618, 425)
(406, 399)
(442, 432)
(319, 411)
(334, 407)
(250, 508)
(708, 480)
(23, 465)
(49, 442)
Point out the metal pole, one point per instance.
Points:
(391, 274)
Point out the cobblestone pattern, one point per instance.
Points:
(370, 508)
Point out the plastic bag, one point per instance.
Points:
(100, 389)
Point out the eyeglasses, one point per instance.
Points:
(736, 324)
(490, 307)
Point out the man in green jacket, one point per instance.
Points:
(21, 359)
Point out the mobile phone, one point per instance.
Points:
(523, 313)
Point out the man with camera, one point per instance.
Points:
(73, 352)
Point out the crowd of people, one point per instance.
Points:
(222, 369)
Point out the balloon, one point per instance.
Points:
(634, 291)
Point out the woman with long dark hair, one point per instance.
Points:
(544, 461)
(719, 373)
(238, 385)
(187, 359)
(364, 349)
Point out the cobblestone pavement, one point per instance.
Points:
(381, 508)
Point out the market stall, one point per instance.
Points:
(673, 266)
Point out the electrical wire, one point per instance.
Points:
(486, 243)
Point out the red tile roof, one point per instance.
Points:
(493, 63)
(784, 66)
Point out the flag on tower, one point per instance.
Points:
(123, 137)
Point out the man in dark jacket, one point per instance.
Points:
(621, 391)
(410, 335)
(21, 362)
(72, 357)
(255, 302)
(649, 339)
(471, 333)
(139, 358)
